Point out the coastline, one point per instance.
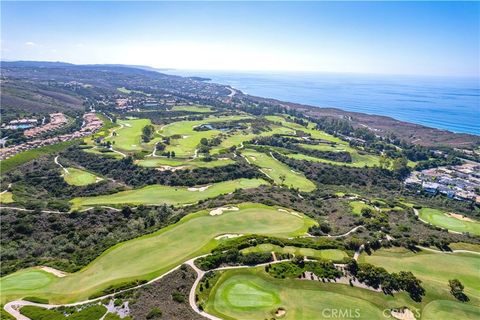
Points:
(443, 103)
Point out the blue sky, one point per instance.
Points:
(430, 38)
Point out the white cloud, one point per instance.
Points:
(30, 44)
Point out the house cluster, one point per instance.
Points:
(57, 120)
(91, 123)
(460, 182)
(20, 124)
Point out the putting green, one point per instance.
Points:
(27, 279)
(279, 172)
(444, 309)
(328, 254)
(6, 197)
(79, 177)
(129, 135)
(251, 294)
(432, 268)
(444, 220)
(158, 194)
(152, 255)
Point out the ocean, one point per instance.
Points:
(440, 102)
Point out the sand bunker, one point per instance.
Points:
(253, 158)
(280, 312)
(460, 217)
(290, 212)
(127, 125)
(228, 236)
(169, 168)
(201, 189)
(404, 314)
(219, 211)
(54, 271)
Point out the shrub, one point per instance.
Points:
(155, 313)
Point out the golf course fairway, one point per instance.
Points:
(279, 172)
(432, 268)
(457, 223)
(252, 294)
(159, 194)
(327, 254)
(147, 257)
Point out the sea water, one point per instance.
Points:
(449, 103)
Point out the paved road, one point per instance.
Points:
(59, 164)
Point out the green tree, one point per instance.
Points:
(456, 289)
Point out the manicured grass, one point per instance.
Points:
(328, 254)
(23, 157)
(26, 280)
(79, 177)
(185, 146)
(152, 255)
(357, 207)
(158, 194)
(359, 160)
(441, 219)
(156, 162)
(465, 246)
(315, 133)
(279, 172)
(129, 137)
(196, 108)
(6, 197)
(444, 309)
(107, 153)
(239, 137)
(251, 294)
(432, 268)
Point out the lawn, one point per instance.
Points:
(156, 162)
(357, 207)
(442, 219)
(79, 177)
(432, 268)
(129, 135)
(152, 255)
(251, 294)
(279, 172)
(196, 108)
(6, 197)
(158, 194)
(327, 254)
